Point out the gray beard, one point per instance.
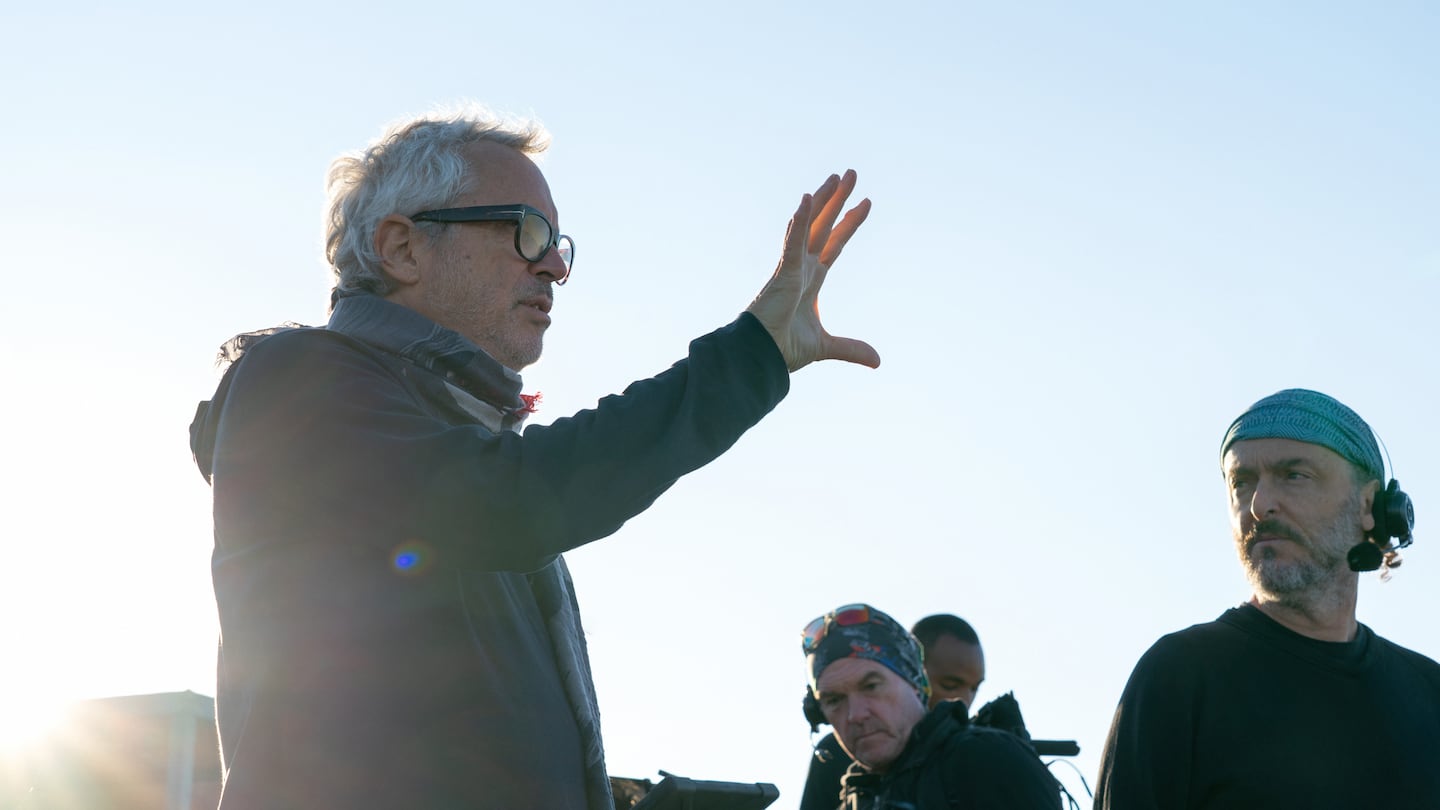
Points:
(1303, 583)
(1288, 582)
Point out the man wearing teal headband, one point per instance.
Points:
(1287, 700)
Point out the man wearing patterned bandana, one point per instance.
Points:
(1287, 700)
(867, 678)
(955, 667)
(398, 627)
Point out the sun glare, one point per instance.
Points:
(26, 720)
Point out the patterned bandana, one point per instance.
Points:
(1312, 417)
(872, 635)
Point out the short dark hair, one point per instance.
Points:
(931, 628)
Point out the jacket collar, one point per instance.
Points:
(927, 734)
(406, 333)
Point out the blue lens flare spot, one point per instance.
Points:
(411, 557)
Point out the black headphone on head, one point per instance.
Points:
(813, 713)
(1394, 515)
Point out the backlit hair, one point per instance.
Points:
(416, 165)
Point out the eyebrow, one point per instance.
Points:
(1282, 464)
(865, 680)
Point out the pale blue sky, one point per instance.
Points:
(1098, 234)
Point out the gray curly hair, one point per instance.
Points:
(416, 165)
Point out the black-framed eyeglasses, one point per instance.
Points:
(534, 235)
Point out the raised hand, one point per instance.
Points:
(788, 307)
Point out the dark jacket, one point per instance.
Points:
(397, 627)
(828, 765)
(949, 763)
(829, 762)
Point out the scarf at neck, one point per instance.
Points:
(405, 333)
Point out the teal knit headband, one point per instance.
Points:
(1312, 417)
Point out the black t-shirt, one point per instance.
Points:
(1242, 712)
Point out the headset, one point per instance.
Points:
(813, 713)
(1394, 515)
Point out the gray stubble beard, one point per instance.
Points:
(1306, 584)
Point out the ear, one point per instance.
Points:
(399, 243)
(1367, 506)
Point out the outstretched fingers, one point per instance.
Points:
(840, 236)
(836, 190)
(787, 306)
(836, 242)
(796, 235)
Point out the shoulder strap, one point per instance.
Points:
(940, 787)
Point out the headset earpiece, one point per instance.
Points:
(1394, 515)
(813, 714)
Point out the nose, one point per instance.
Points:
(857, 709)
(1263, 501)
(551, 267)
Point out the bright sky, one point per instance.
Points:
(1099, 232)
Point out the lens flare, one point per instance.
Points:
(411, 558)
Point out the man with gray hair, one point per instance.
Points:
(1287, 700)
(398, 628)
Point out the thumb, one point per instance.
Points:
(851, 350)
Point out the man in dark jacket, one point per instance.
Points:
(1287, 700)
(867, 679)
(398, 627)
(954, 667)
